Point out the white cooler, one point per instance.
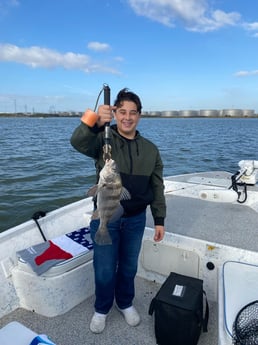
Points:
(238, 286)
(14, 333)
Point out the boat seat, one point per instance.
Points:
(60, 267)
(238, 286)
(81, 253)
(60, 284)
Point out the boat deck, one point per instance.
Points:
(72, 328)
(230, 224)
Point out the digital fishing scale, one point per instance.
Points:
(107, 146)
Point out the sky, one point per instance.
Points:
(56, 55)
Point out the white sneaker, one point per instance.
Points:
(98, 322)
(131, 316)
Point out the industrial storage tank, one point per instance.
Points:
(248, 112)
(170, 113)
(189, 113)
(232, 112)
(209, 113)
(155, 113)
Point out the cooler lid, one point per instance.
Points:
(16, 333)
(240, 287)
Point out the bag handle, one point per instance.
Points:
(151, 308)
(206, 316)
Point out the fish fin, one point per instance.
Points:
(95, 215)
(125, 194)
(119, 211)
(102, 238)
(92, 191)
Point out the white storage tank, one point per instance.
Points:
(189, 113)
(155, 113)
(248, 112)
(232, 112)
(209, 113)
(170, 113)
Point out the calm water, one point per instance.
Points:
(39, 170)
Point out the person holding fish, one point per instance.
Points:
(129, 179)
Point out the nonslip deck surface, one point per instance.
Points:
(231, 224)
(72, 328)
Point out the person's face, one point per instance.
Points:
(127, 118)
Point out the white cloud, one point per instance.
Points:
(252, 27)
(97, 46)
(195, 14)
(246, 73)
(36, 57)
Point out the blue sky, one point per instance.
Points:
(55, 55)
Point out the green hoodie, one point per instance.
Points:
(139, 164)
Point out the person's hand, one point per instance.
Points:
(159, 233)
(105, 114)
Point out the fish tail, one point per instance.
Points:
(103, 237)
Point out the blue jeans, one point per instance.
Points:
(115, 265)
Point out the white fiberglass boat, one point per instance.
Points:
(211, 234)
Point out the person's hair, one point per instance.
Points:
(126, 95)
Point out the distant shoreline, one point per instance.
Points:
(145, 115)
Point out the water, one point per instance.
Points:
(39, 170)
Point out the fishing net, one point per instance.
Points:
(245, 328)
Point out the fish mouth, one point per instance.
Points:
(112, 164)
